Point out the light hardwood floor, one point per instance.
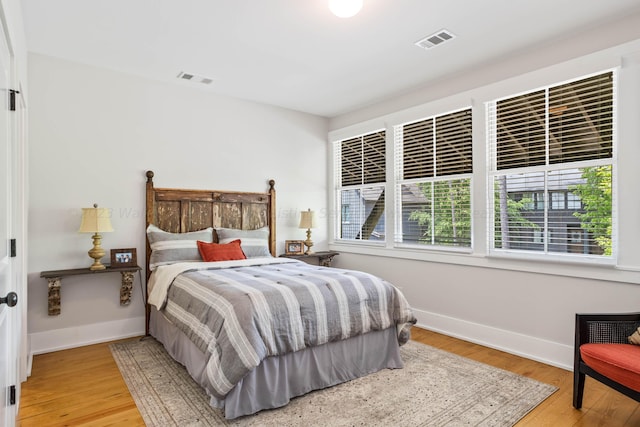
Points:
(83, 387)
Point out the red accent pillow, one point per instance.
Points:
(221, 251)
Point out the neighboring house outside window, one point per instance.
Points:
(552, 161)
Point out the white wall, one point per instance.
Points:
(524, 307)
(94, 133)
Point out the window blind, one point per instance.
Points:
(363, 159)
(567, 123)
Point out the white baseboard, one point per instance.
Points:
(548, 352)
(61, 339)
(29, 365)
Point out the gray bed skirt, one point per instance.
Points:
(278, 379)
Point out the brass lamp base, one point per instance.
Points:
(308, 243)
(97, 253)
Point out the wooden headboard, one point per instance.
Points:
(181, 211)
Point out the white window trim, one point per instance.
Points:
(336, 174)
(398, 181)
(492, 171)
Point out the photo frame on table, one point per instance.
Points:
(294, 247)
(124, 258)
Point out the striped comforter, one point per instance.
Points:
(243, 314)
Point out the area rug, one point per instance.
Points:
(435, 388)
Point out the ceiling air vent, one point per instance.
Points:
(194, 78)
(435, 39)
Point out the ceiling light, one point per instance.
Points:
(345, 8)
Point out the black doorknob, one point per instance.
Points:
(11, 299)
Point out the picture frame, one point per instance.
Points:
(294, 247)
(124, 258)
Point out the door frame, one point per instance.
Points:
(18, 366)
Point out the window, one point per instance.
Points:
(433, 159)
(573, 202)
(551, 153)
(557, 200)
(360, 177)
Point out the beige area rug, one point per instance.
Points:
(435, 388)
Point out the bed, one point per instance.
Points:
(252, 329)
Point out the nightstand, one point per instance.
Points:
(323, 257)
(54, 279)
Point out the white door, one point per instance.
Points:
(8, 348)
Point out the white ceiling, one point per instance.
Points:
(295, 53)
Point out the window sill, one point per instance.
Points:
(554, 258)
(557, 267)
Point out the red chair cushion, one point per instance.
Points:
(620, 362)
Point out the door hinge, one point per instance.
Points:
(12, 248)
(12, 99)
(12, 395)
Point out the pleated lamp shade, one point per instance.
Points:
(95, 220)
(307, 219)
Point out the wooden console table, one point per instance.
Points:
(54, 278)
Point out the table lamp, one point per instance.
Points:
(308, 221)
(96, 220)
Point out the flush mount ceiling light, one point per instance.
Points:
(345, 8)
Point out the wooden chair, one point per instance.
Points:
(603, 329)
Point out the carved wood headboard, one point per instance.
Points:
(182, 210)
